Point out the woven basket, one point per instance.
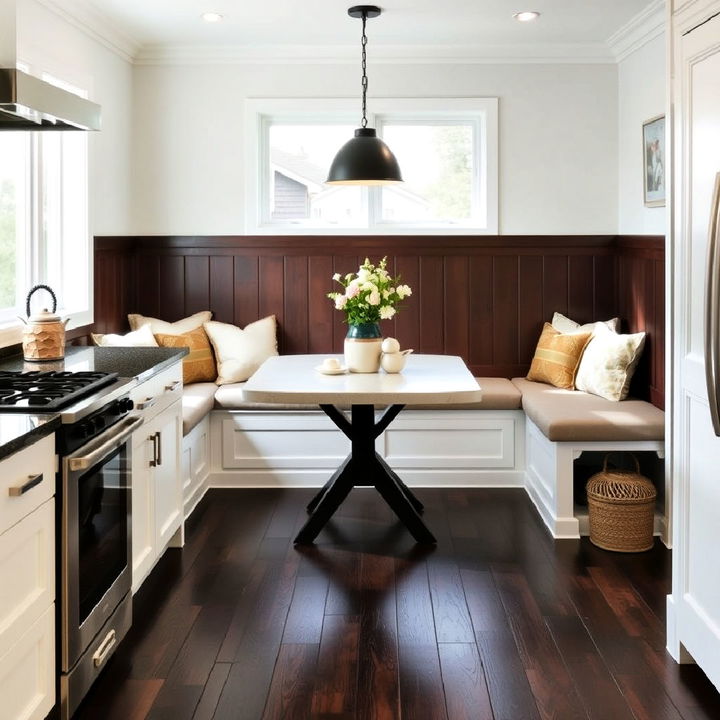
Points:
(622, 507)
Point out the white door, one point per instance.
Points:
(694, 610)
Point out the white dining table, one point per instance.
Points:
(426, 379)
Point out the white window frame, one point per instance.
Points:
(481, 113)
(33, 241)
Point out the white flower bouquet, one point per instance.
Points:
(370, 295)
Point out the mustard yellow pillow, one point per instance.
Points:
(557, 357)
(199, 363)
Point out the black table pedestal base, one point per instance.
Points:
(364, 467)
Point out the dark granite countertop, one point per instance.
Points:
(140, 363)
(18, 430)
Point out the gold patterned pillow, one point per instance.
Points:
(199, 363)
(557, 357)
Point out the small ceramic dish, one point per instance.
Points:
(338, 371)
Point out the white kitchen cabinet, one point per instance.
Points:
(157, 482)
(694, 607)
(27, 582)
(167, 478)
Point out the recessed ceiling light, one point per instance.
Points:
(211, 17)
(526, 16)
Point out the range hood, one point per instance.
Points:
(28, 103)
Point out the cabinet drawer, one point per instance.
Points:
(27, 672)
(157, 393)
(17, 471)
(27, 573)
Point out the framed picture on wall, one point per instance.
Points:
(654, 159)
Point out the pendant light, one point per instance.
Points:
(365, 159)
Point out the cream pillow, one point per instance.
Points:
(167, 328)
(138, 338)
(239, 353)
(608, 363)
(566, 325)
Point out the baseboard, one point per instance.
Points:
(413, 478)
(561, 528)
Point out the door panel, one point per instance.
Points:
(167, 478)
(696, 449)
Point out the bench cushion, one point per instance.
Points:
(572, 415)
(197, 402)
(498, 394)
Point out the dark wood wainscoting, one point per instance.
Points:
(483, 298)
(641, 305)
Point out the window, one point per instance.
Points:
(447, 150)
(43, 222)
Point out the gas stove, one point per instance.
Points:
(48, 391)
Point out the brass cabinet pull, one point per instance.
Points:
(153, 439)
(146, 403)
(29, 484)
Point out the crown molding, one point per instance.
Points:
(648, 24)
(383, 54)
(98, 26)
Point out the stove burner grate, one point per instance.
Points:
(47, 390)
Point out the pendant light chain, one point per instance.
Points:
(364, 72)
(364, 159)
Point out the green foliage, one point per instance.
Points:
(7, 244)
(450, 195)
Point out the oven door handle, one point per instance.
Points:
(116, 439)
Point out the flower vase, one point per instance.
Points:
(363, 348)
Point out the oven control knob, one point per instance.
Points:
(116, 408)
(127, 404)
(98, 424)
(85, 430)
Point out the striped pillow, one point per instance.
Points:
(557, 357)
(199, 363)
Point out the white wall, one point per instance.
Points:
(558, 138)
(48, 42)
(641, 96)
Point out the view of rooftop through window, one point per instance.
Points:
(436, 160)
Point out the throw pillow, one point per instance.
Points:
(566, 325)
(240, 353)
(167, 328)
(557, 357)
(608, 364)
(142, 337)
(199, 363)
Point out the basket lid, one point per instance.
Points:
(621, 485)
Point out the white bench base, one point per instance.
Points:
(549, 476)
(195, 465)
(447, 448)
(463, 448)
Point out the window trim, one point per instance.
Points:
(261, 112)
(34, 244)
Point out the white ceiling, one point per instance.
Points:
(152, 23)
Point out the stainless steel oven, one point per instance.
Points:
(96, 553)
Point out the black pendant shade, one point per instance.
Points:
(364, 160)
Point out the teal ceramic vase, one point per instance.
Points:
(363, 344)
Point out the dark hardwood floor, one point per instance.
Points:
(497, 622)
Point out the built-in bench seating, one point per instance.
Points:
(521, 433)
